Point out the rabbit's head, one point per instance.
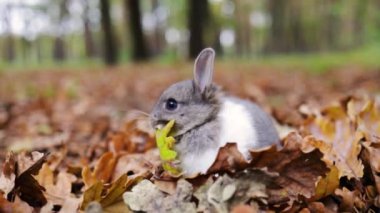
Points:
(190, 103)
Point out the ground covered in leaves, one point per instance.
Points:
(80, 141)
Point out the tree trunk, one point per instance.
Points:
(87, 34)
(198, 18)
(243, 28)
(10, 54)
(110, 51)
(140, 51)
(9, 46)
(332, 25)
(158, 37)
(59, 53)
(277, 32)
(359, 21)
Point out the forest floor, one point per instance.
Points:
(100, 144)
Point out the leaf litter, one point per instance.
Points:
(103, 156)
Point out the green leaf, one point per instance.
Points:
(165, 144)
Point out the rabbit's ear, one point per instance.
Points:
(204, 68)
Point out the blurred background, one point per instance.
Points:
(74, 70)
(38, 33)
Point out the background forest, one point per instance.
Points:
(82, 32)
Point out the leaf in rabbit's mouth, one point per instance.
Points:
(165, 144)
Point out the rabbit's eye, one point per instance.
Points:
(171, 104)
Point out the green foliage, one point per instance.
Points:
(366, 57)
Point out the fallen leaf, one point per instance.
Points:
(93, 193)
(217, 190)
(298, 172)
(119, 206)
(145, 196)
(327, 184)
(201, 195)
(117, 189)
(252, 186)
(228, 159)
(371, 156)
(136, 164)
(105, 166)
(350, 200)
(368, 121)
(111, 196)
(26, 187)
(333, 133)
(8, 174)
(59, 188)
(244, 209)
(89, 178)
(316, 207)
(70, 204)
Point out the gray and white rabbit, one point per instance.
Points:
(206, 119)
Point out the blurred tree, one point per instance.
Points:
(59, 52)
(276, 41)
(140, 50)
(9, 44)
(87, 33)
(158, 37)
(243, 28)
(291, 29)
(360, 15)
(214, 28)
(110, 51)
(330, 23)
(198, 17)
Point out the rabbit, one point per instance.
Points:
(206, 119)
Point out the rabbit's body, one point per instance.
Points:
(206, 119)
(199, 147)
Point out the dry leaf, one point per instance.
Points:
(117, 189)
(136, 164)
(145, 196)
(70, 205)
(105, 166)
(228, 159)
(350, 200)
(316, 207)
(371, 156)
(93, 193)
(368, 121)
(216, 193)
(327, 184)
(88, 177)
(111, 196)
(26, 187)
(334, 135)
(8, 174)
(59, 188)
(298, 172)
(244, 209)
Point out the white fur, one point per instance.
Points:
(199, 163)
(236, 126)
